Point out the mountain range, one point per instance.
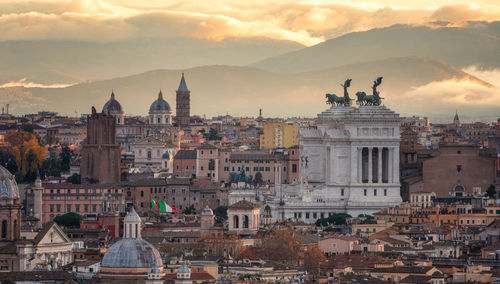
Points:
(220, 89)
(421, 66)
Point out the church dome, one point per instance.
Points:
(132, 253)
(160, 104)
(166, 155)
(8, 185)
(112, 106)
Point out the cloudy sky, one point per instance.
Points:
(307, 22)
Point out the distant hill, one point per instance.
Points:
(53, 61)
(242, 91)
(477, 44)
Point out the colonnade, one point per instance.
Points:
(377, 165)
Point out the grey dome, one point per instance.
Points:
(112, 106)
(160, 104)
(132, 253)
(207, 211)
(132, 216)
(8, 185)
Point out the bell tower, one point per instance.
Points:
(182, 104)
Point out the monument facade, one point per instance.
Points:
(349, 162)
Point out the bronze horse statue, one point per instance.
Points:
(340, 101)
(370, 100)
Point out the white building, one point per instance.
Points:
(153, 155)
(350, 163)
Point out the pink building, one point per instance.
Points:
(337, 244)
(62, 198)
(207, 161)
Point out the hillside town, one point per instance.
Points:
(357, 194)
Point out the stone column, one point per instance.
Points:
(390, 164)
(370, 165)
(395, 165)
(359, 165)
(379, 172)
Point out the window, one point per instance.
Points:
(142, 204)
(58, 207)
(86, 207)
(149, 155)
(77, 207)
(307, 215)
(51, 207)
(385, 192)
(69, 208)
(375, 192)
(294, 168)
(342, 192)
(142, 193)
(315, 215)
(365, 192)
(94, 208)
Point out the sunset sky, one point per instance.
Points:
(307, 22)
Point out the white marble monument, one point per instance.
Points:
(349, 163)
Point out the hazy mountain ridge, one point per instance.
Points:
(52, 61)
(241, 91)
(472, 45)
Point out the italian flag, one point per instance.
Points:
(154, 205)
(164, 207)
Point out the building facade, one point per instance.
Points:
(349, 163)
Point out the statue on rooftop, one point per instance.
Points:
(340, 101)
(370, 100)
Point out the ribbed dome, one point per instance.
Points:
(112, 106)
(8, 185)
(160, 104)
(132, 253)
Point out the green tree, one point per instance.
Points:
(220, 214)
(367, 216)
(258, 178)
(74, 179)
(70, 219)
(335, 219)
(491, 192)
(8, 160)
(51, 167)
(190, 210)
(7, 281)
(65, 158)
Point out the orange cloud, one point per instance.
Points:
(307, 22)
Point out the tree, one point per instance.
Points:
(313, 257)
(258, 178)
(367, 216)
(74, 179)
(65, 158)
(220, 214)
(7, 281)
(491, 192)
(28, 153)
(335, 219)
(190, 210)
(70, 219)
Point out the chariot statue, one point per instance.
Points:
(333, 99)
(370, 100)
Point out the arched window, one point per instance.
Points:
(4, 229)
(159, 120)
